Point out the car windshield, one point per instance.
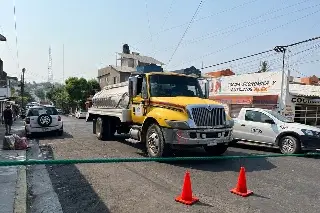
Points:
(174, 85)
(280, 117)
(42, 110)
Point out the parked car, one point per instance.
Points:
(60, 112)
(266, 127)
(43, 119)
(81, 113)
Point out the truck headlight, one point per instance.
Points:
(311, 132)
(229, 123)
(178, 124)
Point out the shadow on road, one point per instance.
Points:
(51, 136)
(74, 191)
(220, 165)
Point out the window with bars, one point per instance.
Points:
(307, 114)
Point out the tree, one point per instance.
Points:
(93, 86)
(59, 96)
(40, 94)
(77, 89)
(264, 67)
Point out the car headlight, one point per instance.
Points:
(229, 123)
(178, 124)
(311, 132)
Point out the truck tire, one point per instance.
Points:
(155, 143)
(104, 130)
(216, 150)
(289, 145)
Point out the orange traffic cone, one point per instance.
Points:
(186, 194)
(241, 188)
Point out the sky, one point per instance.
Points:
(92, 32)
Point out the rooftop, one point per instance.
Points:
(141, 58)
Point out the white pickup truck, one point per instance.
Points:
(266, 127)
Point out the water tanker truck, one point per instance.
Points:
(162, 110)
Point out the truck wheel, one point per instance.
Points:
(289, 145)
(216, 150)
(99, 128)
(104, 131)
(155, 143)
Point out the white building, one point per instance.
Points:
(263, 90)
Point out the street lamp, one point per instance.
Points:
(282, 49)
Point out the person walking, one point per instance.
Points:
(7, 116)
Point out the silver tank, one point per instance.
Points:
(112, 96)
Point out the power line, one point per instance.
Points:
(260, 53)
(185, 32)
(199, 19)
(252, 37)
(315, 46)
(149, 26)
(252, 21)
(15, 28)
(168, 14)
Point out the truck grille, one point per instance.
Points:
(202, 116)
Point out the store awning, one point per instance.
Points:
(246, 99)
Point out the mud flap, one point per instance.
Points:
(94, 121)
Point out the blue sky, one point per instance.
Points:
(93, 31)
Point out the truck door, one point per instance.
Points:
(139, 105)
(259, 129)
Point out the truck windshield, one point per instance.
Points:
(174, 85)
(279, 117)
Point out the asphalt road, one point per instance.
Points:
(286, 184)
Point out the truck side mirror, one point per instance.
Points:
(130, 89)
(133, 87)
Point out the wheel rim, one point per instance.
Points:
(288, 145)
(153, 142)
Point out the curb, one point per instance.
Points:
(20, 201)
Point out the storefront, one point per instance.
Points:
(260, 90)
(234, 104)
(306, 110)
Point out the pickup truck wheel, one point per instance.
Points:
(289, 145)
(216, 150)
(155, 142)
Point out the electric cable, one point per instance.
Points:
(252, 37)
(252, 21)
(185, 32)
(201, 18)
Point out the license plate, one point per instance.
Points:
(44, 129)
(212, 144)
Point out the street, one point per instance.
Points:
(285, 184)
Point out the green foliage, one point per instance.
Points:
(264, 67)
(93, 86)
(27, 97)
(40, 94)
(74, 93)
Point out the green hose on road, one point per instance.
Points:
(122, 160)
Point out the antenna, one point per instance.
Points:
(63, 63)
(50, 75)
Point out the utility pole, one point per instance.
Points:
(283, 50)
(22, 87)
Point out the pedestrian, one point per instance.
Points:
(7, 116)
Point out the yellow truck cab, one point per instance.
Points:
(162, 110)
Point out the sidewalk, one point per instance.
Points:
(12, 178)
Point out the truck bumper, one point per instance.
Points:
(199, 137)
